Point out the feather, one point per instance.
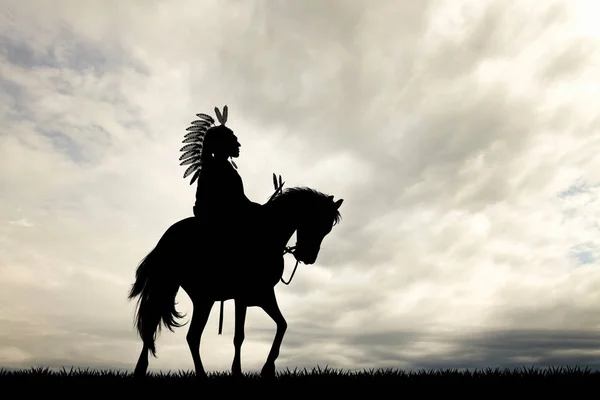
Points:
(191, 169)
(190, 153)
(200, 135)
(191, 147)
(225, 110)
(193, 139)
(219, 115)
(206, 117)
(190, 160)
(274, 181)
(196, 175)
(196, 128)
(200, 122)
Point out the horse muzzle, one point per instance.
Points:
(306, 256)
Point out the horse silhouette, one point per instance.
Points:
(245, 270)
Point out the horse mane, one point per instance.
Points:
(308, 197)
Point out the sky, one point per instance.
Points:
(462, 136)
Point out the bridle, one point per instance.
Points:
(290, 249)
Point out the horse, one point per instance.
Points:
(246, 272)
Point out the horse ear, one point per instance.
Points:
(338, 203)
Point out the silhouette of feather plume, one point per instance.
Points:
(192, 168)
(196, 175)
(191, 147)
(198, 128)
(206, 117)
(201, 122)
(199, 135)
(190, 153)
(190, 160)
(219, 115)
(193, 139)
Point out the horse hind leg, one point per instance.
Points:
(142, 364)
(199, 318)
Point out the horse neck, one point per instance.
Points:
(283, 222)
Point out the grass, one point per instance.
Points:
(301, 378)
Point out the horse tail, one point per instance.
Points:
(156, 303)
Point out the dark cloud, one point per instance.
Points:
(413, 349)
(514, 349)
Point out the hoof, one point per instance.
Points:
(139, 373)
(237, 373)
(201, 376)
(268, 371)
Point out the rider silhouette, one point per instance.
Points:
(221, 203)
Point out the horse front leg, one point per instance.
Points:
(238, 338)
(272, 309)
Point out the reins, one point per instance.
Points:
(290, 249)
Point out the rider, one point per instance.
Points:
(220, 199)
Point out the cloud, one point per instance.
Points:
(462, 138)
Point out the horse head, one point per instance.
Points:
(317, 220)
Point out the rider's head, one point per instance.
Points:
(221, 142)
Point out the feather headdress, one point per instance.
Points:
(194, 141)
